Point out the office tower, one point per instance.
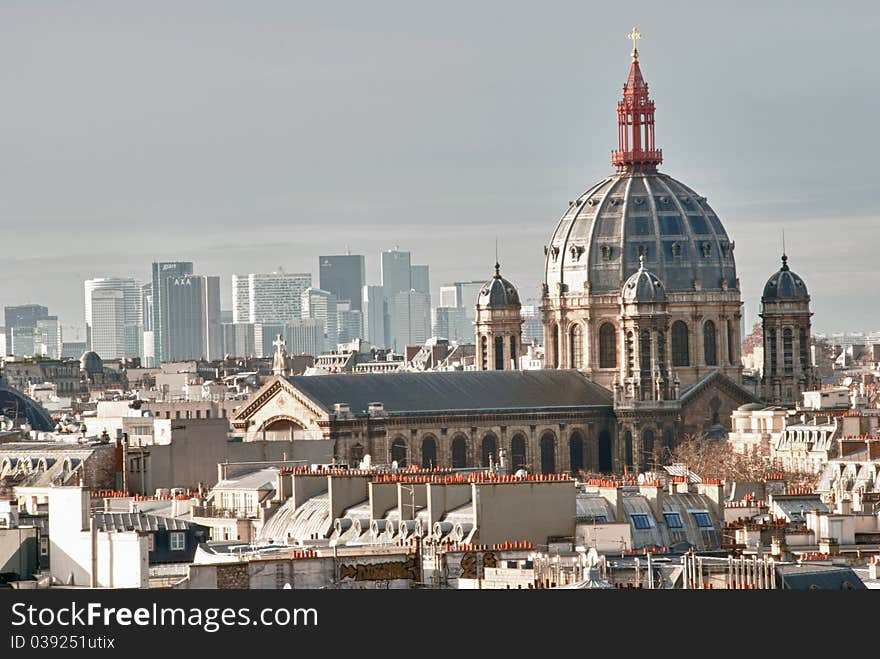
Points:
(452, 323)
(449, 296)
(73, 349)
(344, 276)
(21, 321)
(396, 272)
(322, 305)
(240, 340)
(274, 297)
(226, 315)
(411, 319)
(2, 341)
(302, 337)
(420, 279)
(350, 322)
(105, 322)
(241, 299)
(161, 272)
(191, 318)
(375, 315)
(47, 338)
(533, 324)
(147, 352)
(132, 314)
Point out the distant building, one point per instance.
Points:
(304, 336)
(344, 276)
(21, 321)
(191, 317)
(321, 305)
(126, 340)
(274, 297)
(241, 339)
(106, 322)
(159, 323)
(451, 323)
(375, 311)
(47, 338)
(350, 322)
(420, 279)
(410, 318)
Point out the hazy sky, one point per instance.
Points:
(248, 135)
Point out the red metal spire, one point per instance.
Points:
(635, 122)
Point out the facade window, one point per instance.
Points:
(518, 451)
(459, 452)
(499, 353)
(600, 519)
(645, 354)
(554, 345)
(673, 521)
(575, 346)
(630, 357)
(198, 414)
(703, 520)
(177, 541)
(576, 452)
(607, 346)
(787, 356)
(680, 347)
(731, 344)
(429, 453)
(488, 450)
(640, 522)
(661, 351)
(513, 354)
(398, 452)
(771, 339)
(802, 338)
(709, 347)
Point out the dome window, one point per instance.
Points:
(676, 249)
(707, 250)
(606, 252)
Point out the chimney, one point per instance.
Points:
(654, 494)
(613, 495)
(342, 410)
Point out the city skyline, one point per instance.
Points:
(509, 175)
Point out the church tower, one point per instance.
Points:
(498, 326)
(785, 320)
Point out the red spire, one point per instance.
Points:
(635, 122)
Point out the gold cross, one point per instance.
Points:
(634, 36)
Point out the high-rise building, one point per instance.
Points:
(396, 272)
(452, 323)
(320, 304)
(449, 296)
(273, 297)
(21, 321)
(420, 279)
(302, 337)
(411, 319)
(240, 340)
(375, 312)
(344, 276)
(350, 322)
(105, 322)
(47, 338)
(533, 324)
(2, 341)
(191, 318)
(128, 342)
(241, 299)
(161, 272)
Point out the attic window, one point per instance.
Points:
(641, 522)
(673, 521)
(703, 520)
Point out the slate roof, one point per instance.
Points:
(458, 391)
(821, 577)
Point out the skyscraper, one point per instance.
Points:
(21, 321)
(128, 340)
(105, 322)
(303, 337)
(375, 315)
(411, 319)
(47, 337)
(274, 297)
(349, 323)
(344, 276)
(420, 279)
(161, 272)
(322, 305)
(191, 318)
(452, 323)
(396, 271)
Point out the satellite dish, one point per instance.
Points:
(847, 381)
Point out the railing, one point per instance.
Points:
(281, 435)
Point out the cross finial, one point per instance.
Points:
(634, 36)
(278, 343)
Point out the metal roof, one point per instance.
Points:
(139, 522)
(818, 577)
(458, 391)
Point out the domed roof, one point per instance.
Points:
(785, 285)
(91, 363)
(643, 286)
(498, 292)
(599, 239)
(15, 405)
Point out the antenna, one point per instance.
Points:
(783, 240)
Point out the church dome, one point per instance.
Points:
(498, 292)
(643, 287)
(638, 212)
(784, 285)
(16, 406)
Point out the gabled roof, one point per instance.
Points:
(455, 390)
(723, 381)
